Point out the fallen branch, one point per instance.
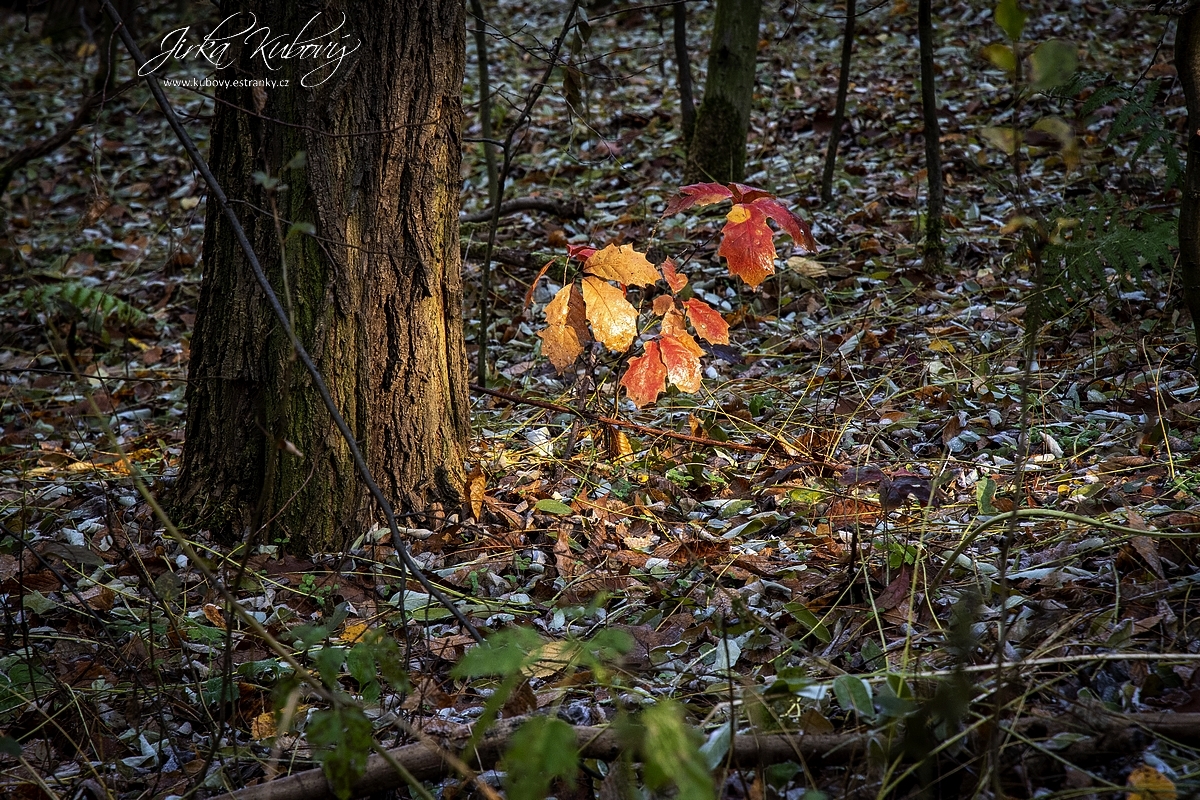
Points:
(426, 763)
(566, 209)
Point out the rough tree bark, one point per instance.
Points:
(934, 247)
(375, 294)
(717, 150)
(1187, 63)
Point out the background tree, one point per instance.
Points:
(717, 150)
(839, 108)
(374, 293)
(1187, 63)
(934, 248)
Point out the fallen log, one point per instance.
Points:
(1113, 733)
(426, 762)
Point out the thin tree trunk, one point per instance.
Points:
(934, 246)
(717, 150)
(376, 294)
(839, 110)
(683, 65)
(479, 30)
(1187, 63)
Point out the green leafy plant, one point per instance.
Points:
(79, 301)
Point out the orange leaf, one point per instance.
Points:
(698, 194)
(707, 321)
(622, 264)
(747, 244)
(646, 376)
(613, 318)
(674, 279)
(214, 615)
(662, 304)
(566, 328)
(673, 323)
(794, 226)
(680, 357)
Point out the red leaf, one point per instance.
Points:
(646, 377)
(566, 328)
(747, 244)
(613, 318)
(707, 321)
(622, 264)
(681, 357)
(672, 276)
(746, 194)
(662, 304)
(796, 228)
(580, 252)
(698, 194)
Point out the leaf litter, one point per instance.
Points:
(860, 425)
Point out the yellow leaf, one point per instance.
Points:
(613, 318)
(566, 328)
(1149, 784)
(622, 264)
(1001, 138)
(353, 632)
(263, 726)
(941, 346)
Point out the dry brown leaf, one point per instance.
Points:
(214, 615)
(476, 488)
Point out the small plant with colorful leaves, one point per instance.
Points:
(596, 308)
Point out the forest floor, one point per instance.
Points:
(831, 556)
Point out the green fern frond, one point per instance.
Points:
(77, 299)
(1102, 246)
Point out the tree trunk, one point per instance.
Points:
(934, 248)
(375, 295)
(717, 150)
(839, 109)
(683, 67)
(1187, 63)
